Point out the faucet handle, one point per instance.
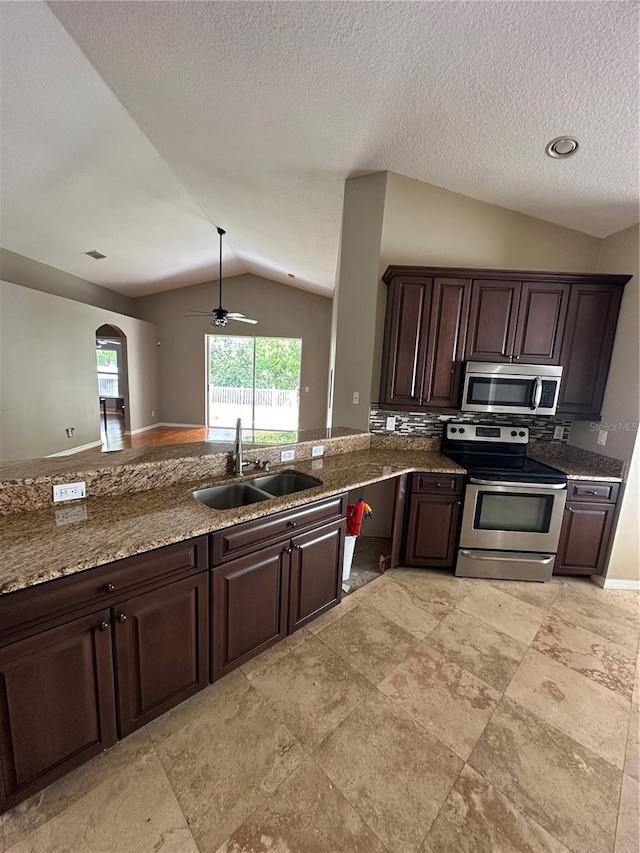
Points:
(264, 465)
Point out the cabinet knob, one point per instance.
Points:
(568, 509)
(298, 547)
(103, 626)
(438, 485)
(292, 523)
(590, 492)
(517, 357)
(287, 550)
(110, 587)
(122, 617)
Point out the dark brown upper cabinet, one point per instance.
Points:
(424, 341)
(517, 321)
(586, 348)
(437, 318)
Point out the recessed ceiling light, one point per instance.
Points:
(95, 254)
(562, 147)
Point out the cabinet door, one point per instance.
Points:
(541, 318)
(161, 650)
(432, 528)
(586, 348)
(316, 573)
(447, 331)
(584, 539)
(57, 706)
(492, 320)
(249, 609)
(405, 341)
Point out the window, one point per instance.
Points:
(108, 361)
(256, 379)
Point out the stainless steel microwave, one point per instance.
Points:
(525, 389)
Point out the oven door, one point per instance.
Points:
(512, 516)
(512, 393)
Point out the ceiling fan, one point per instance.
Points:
(220, 316)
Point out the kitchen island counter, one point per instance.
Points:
(45, 544)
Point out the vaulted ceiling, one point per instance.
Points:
(135, 128)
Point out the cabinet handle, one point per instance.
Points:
(292, 523)
(110, 587)
(590, 492)
(122, 617)
(103, 626)
(568, 509)
(287, 550)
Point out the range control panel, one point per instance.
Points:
(460, 431)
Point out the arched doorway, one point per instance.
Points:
(113, 385)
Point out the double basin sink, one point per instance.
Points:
(232, 495)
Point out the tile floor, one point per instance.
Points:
(426, 713)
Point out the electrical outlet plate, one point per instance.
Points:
(391, 424)
(356, 398)
(287, 455)
(602, 437)
(69, 491)
(317, 450)
(558, 432)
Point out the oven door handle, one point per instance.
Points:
(539, 486)
(542, 559)
(537, 393)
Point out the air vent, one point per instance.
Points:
(95, 254)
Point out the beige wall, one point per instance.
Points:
(29, 273)
(48, 375)
(281, 311)
(355, 298)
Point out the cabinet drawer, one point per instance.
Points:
(101, 586)
(592, 491)
(450, 484)
(251, 534)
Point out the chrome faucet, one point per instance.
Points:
(239, 463)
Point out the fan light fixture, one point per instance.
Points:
(220, 316)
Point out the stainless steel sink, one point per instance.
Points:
(230, 495)
(285, 483)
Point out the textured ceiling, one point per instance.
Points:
(135, 127)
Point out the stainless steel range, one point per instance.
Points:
(513, 505)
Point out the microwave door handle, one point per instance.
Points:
(537, 393)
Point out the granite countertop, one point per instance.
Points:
(50, 543)
(576, 463)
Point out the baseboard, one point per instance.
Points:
(614, 583)
(74, 450)
(142, 429)
(186, 426)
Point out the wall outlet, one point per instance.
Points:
(356, 398)
(558, 432)
(317, 450)
(391, 424)
(69, 491)
(287, 455)
(602, 437)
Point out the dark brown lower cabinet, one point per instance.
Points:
(161, 644)
(434, 517)
(316, 573)
(57, 705)
(249, 607)
(260, 598)
(586, 529)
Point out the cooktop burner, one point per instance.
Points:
(496, 453)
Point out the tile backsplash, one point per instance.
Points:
(421, 424)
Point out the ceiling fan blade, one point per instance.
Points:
(241, 319)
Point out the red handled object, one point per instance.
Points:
(355, 515)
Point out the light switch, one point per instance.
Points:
(602, 437)
(356, 398)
